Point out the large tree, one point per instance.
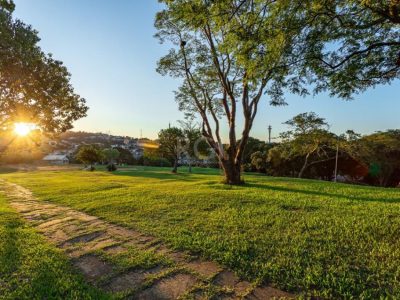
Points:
(34, 87)
(229, 54)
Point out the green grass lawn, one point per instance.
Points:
(329, 239)
(30, 268)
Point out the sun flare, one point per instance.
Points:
(23, 129)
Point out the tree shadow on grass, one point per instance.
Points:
(7, 170)
(161, 175)
(11, 252)
(265, 186)
(166, 174)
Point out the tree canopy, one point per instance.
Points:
(89, 154)
(34, 87)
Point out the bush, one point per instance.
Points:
(111, 167)
(156, 162)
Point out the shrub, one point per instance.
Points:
(111, 167)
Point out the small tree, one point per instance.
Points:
(125, 156)
(192, 134)
(89, 155)
(111, 155)
(172, 142)
(308, 138)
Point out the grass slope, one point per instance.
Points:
(30, 268)
(332, 240)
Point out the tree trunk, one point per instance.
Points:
(190, 166)
(175, 169)
(232, 173)
(304, 167)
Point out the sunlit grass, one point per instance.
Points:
(305, 236)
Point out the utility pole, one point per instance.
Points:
(336, 162)
(269, 134)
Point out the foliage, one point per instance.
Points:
(259, 160)
(252, 146)
(314, 238)
(380, 152)
(111, 155)
(111, 167)
(308, 138)
(89, 154)
(156, 161)
(34, 87)
(125, 156)
(192, 136)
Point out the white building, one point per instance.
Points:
(56, 159)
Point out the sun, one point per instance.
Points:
(23, 129)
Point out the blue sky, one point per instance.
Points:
(109, 48)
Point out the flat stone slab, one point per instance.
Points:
(126, 282)
(168, 288)
(226, 279)
(84, 238)
(93, 267)
(131, 280)
(204, 268)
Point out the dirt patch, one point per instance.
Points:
(169, 288)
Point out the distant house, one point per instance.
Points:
(56, 159)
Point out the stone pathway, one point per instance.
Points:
(87, 241)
